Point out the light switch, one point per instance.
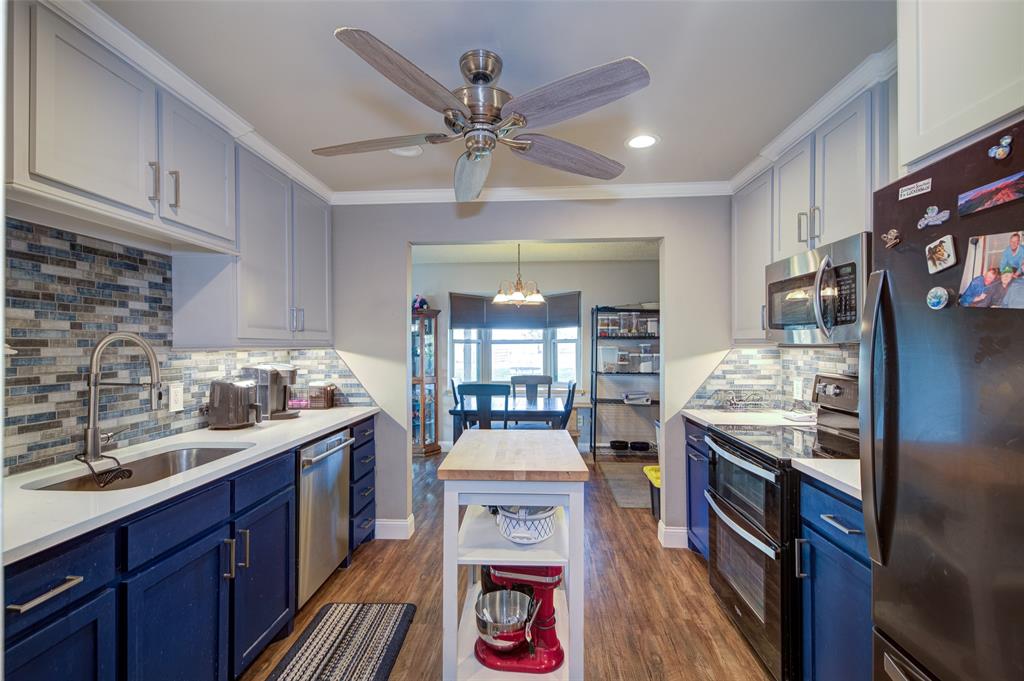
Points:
(176, 397)
(798, 387)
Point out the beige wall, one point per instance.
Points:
(373, 285)
(599, 283)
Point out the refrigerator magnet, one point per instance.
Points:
(941, 254)
(1010, 188)
(1001, 150)
(892, 238)
(932, 217)
(937, 298)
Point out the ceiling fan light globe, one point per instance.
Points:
(500, 298)
(517, 297)
(535, 298)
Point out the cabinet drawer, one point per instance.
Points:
(362, 432)
(363, 493)
(839, 521)
(264, 480)
(362, 524)
(150, 536)
(695, 437)
(363, 459)
(47, 582)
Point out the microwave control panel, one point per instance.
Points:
(846, 294)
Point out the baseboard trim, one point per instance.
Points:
(671, 537)
(394, 529)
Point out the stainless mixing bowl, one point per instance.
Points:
(502, 617)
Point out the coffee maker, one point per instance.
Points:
(273, 388)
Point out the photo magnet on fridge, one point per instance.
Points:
(994, 272)
(941, 254)
(991, 195)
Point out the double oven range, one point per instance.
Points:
(753, 503)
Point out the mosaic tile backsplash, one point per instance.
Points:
(771, 371)
(66, 291)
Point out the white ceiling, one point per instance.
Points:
(727, 76)
(536, 251)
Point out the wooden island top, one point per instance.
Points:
(519, 455)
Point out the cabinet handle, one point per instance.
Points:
(366, 523)
(70, 582)
(248, 541)
(155, 196)
(811, 232)
(302, 319)
(807, 216)
(798, 559)
(176, 174)
(291, 318)
(366, 459)
(230, 574)
(366, 433)
(831, 520)
(764, 323)
(366, 492)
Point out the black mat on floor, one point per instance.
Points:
(348, 642)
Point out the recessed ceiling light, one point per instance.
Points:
(641, 141)
(407, 152)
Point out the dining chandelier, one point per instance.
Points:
(517, 293)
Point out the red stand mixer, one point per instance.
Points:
(517, 632)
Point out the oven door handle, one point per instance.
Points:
(819, 316)
(764, 548)
(770, 476)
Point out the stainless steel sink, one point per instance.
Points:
(150, 469)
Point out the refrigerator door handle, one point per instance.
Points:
(826, 264)
(877, 282)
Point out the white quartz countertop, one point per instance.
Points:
(731, 417)
(842, 474)
(34, 519)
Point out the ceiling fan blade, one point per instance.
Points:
(384, 143)
(556, 153)
(579, 93)
(400, 71)
(470, 175)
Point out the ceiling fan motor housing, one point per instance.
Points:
(480, 67)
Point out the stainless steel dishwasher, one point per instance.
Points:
(324, 471)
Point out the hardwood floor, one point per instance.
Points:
(650, 613)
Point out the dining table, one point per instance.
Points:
(543, 409)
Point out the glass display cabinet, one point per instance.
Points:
(424, 382)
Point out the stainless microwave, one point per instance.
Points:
(815, 297)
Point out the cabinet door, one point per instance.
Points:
(836, 612)
(264, 243)
(93, 117)
(843, 163)
(265, 583)
(311, 236)
(794, 192)
(696, 505)
(78, 646)
(197, 163)
(177, 615)
(961, 68)
(751, 252)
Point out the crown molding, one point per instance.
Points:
(877, 68)
(101, 27)
(659, 190)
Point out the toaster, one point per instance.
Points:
(233, 404)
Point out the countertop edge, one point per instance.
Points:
(808, 468)
(13, 554)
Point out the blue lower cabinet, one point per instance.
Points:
(836, 593)
(177, 613)
(697, 473)
(78, 646)
(264, 586)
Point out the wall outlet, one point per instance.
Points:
(798, 388)
(176, 397)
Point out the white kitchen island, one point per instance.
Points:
(511, 468)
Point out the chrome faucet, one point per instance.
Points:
(93, 437)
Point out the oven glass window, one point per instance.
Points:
(791, 303)
(743, 490)
(743, 567)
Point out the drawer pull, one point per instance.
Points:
(366, 433)
(366, 524)
(367, 459)
(366, 492)
(831, 520)
(246, 563)
(70, 582)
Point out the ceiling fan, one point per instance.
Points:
(483, 115)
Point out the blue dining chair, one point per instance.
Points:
(483, 392)
(563, 423)
(531, 384)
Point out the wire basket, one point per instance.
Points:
(313, 397)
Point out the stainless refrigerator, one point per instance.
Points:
(942, 418)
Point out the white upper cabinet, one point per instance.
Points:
(751, 252)
(961, 68)
(794, 196)
(93, 117)
(842, 173)
(264, 242)
(197, 167)
(311, 243)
